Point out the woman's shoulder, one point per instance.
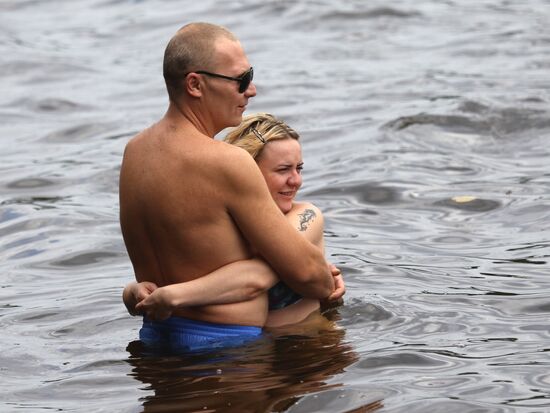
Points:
(308, 219)
(299, 208)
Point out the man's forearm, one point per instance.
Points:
(313, 279)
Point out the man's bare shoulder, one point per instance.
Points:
(235, 161)
(188, 152)
(231, 152)
(138, 140)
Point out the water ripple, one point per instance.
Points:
(425, 137)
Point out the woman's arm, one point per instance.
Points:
(236, 282)
(309, 221)
(135, 292)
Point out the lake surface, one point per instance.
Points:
(425, 129)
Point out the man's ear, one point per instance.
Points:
(193, 84)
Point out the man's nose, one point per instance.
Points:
(250, 92)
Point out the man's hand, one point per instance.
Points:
(158, 305)
(134, 293)
(335, 298)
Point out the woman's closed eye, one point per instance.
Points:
(288, 168)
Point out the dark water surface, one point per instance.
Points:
(425, 128)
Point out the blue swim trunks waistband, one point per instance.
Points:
(183, 334)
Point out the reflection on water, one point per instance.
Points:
(275, 374)
(29, 183)
(425, 136)
(469, 203)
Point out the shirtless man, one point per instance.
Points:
(190, 204)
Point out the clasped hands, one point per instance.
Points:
(156, 303)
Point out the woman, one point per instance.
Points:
(276, 149)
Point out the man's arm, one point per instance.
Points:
(299, 263)
(335, 298)
(236, 282)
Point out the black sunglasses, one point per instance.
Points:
(244, 80)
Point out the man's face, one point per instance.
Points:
(224, 102)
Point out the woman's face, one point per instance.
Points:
(281, 165)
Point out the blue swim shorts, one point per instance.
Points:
(183, 334)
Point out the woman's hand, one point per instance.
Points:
(135, 292)
(158, 305)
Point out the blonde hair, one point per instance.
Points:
(191, 48)
(255, 131)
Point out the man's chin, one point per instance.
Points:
(236, 121)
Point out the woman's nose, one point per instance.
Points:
(295, 179)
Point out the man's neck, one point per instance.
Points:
(182, 117)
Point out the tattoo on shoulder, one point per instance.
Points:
(306, 218)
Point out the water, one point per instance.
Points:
(425, 128)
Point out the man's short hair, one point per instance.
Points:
(192, 48)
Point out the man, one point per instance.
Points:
(190, 204)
